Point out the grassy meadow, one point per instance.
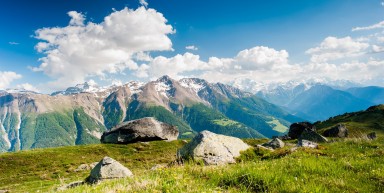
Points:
(345, 165)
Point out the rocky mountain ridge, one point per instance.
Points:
(80, 114)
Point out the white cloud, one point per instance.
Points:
(191, 47)
(333, 48)
(144, 3)
(13, 43)
(255, 60)
(377, 48)
(79, 51)
(371, 27)
(382, 3)
(27, 86)
(7, 77)
(76, 18)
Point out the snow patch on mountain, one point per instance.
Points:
(135, 87)
(162, 88)
(193, 83)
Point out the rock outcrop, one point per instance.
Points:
(145, 129)
(213, 149)
(108, 168)
(296, 129)
(312, 136)
(274, 143)
(338, 131)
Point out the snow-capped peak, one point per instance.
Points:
(20, 90)
(194, 84)
(134, 86)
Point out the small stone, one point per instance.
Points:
(274, 143)
(70, 185)
(82, 167)
(372, 136)
(108, 168)
(306, 143)
(158, 166)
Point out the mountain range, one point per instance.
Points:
(315, 101)
(79, 115)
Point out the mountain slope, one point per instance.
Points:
(358, 123)
(321, 102)
(80, 114)
(373, 94)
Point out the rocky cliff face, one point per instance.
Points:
(80, 114)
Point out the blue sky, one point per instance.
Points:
(264, 41)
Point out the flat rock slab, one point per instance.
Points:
(213, 149)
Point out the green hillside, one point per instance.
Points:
(358, 123)
(351, 165)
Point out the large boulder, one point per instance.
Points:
(145, 129)
(213, 149)
(337, 131)
(296, 129)
(274, 143)
(108, 168)
(312, 136)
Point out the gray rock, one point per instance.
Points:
(338, 131)
(312, 136)
(263, 147)
(92, 165)
(274, 143)
(4, 191)
(71, 185)
(372, 136)
(296, 129)
(306, 143)
(82, 167)
(145, 129)
(108, 168)
(158, 166)
(213, 149)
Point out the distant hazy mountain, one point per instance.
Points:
(80, 114)
(373, 94)
(321, 102)
(316, 99)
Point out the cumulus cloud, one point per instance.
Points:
(27, 86)
(247, 62)
(7, 77)
(377, 48)
(76, 18)
(144, 3)
(81, 50)
(333, 48)
(371, 27)
(191, 47)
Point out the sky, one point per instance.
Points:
(49, 45)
